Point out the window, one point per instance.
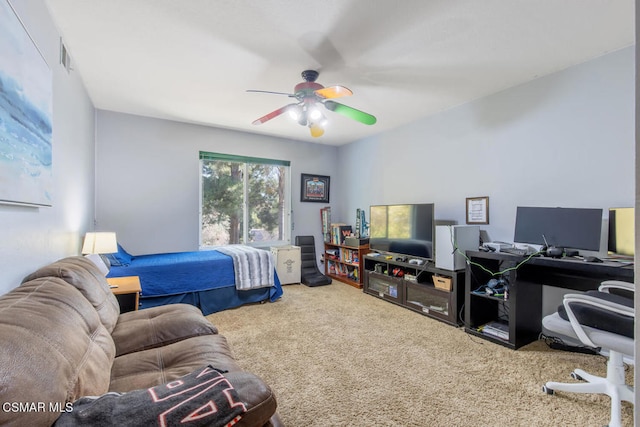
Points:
(244, 200)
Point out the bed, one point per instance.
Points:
(205, 279)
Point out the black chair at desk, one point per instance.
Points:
(603, 320)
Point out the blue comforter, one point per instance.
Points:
(182, 272)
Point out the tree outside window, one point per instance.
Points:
(244, 200)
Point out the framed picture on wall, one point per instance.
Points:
(26, 97)
(314, 188)
(478, 210)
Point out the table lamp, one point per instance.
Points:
(100, 243)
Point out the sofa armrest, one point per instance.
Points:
(259, 398)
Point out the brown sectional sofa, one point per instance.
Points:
(63, 338)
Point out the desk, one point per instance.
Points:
(521, 312)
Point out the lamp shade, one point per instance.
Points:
(100, 243)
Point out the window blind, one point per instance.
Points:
(205, 155)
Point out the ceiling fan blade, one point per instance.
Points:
(334, 92)
(350, 112)
(272, 115)
(268, 91)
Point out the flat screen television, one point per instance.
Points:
(622, 232)
(574, 228)
(406, 229)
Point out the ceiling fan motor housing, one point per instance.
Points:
(310, 75)
(306, 89)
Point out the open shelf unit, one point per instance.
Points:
(520, 322)
(345, 263)
(521, 312)
(412, 286)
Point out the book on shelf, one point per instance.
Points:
(346, 255)
(331, 267)
(338, 233)
(340, 269)
(350, 256)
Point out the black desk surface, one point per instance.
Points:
(572, 273)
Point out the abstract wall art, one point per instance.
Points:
(25, 116)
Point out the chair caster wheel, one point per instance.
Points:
(576, 376)
(547, 389)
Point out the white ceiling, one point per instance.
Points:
(193, 60)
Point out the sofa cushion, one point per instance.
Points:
(158, 326)
(147, 368)
(87, 278)
(54, 349)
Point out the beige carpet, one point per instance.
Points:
(336, 357)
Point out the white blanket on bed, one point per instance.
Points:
(253, 267)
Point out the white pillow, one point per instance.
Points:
(97, 260)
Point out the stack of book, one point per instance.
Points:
(339, 232)
(496, 329)
(333, 253)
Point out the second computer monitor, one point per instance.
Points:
(575, 228)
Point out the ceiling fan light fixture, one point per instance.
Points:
(295, 112)
(318, 117)
(316, 130)
(315, 114)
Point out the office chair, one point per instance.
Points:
(310, 275)
(603, 320)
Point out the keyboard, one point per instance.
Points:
(514, 251)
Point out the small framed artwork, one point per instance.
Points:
(314, 188)
(478, 210)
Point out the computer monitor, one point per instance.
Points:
(622, 232)
(574, 228)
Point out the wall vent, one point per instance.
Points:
(65, 58)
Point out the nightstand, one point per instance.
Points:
(127, 290)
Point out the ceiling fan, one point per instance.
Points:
(310, 97)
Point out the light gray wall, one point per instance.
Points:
(562, 140)
(32, 237)
(148, 178)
